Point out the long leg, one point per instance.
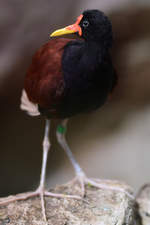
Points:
(60, 133)
(80, 175)
(46, 147)
(41, 189)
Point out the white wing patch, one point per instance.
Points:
(28, 106)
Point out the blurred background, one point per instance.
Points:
(110, 143)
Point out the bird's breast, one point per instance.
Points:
(85, 90)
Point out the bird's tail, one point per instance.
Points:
(28, 106)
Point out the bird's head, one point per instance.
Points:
(92, 25)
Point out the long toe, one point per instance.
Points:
(100, 184)
(41, 192)
(83, 180)
(21, 196)
(57, 195)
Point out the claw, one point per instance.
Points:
(83, 180)
(39, 192)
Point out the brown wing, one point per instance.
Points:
(44, 82)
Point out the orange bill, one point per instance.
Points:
(69, 29)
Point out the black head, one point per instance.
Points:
(96, 26)
(92, 25)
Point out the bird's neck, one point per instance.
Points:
(96, 45)
(95, 51)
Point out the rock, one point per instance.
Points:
(143, 200)
(99, 207)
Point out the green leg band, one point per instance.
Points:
(61, 129)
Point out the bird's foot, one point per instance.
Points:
(83, 180)
(39, 192)
(80, 179)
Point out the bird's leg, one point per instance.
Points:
(41, 189)
(80, 175)
(46, 147)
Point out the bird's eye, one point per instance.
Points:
(85, 23)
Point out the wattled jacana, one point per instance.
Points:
(68, 77)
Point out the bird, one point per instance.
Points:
(69, 76)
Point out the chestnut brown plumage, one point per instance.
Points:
(67, 77)
(44, 82)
